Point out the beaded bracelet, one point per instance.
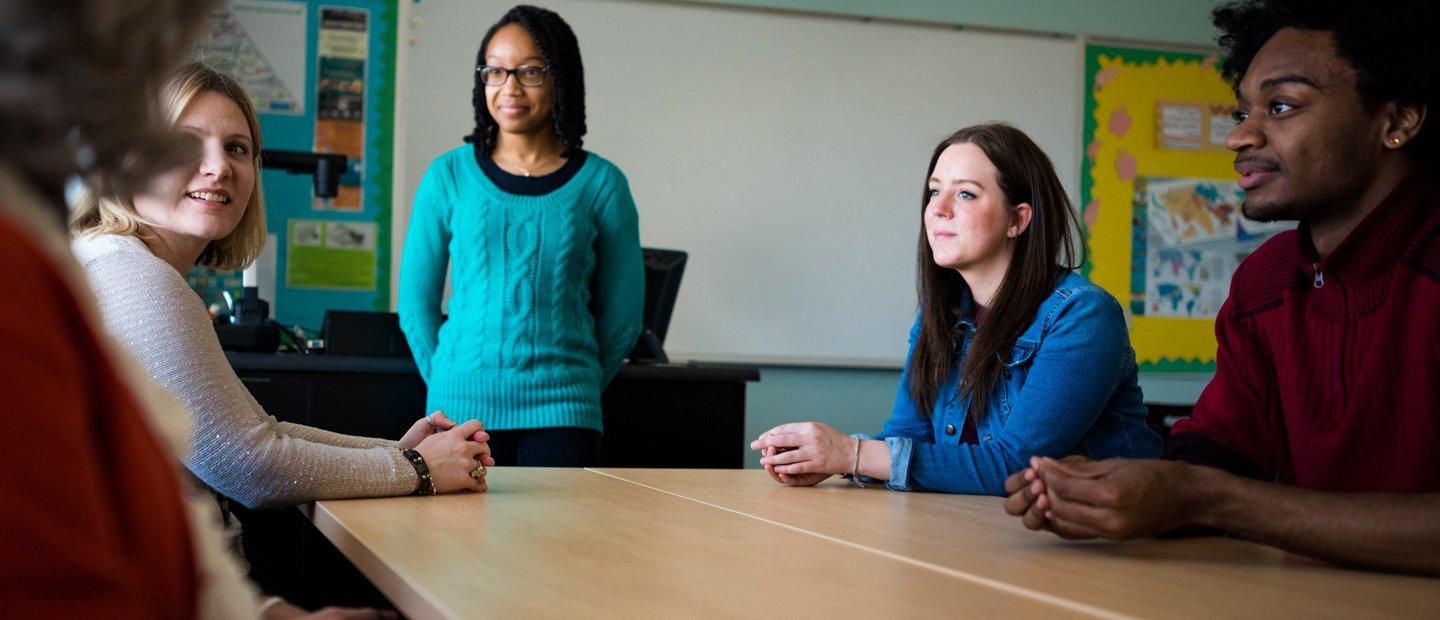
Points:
(427, 486)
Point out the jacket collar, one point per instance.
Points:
(1365, 258)
(1380, 239)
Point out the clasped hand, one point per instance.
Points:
(805, 453)
(1116, 499)
(450, 451)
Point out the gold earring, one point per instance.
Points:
(1393, 141)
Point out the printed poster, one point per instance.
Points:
(340, 102)
(331, 254)
(1190, 237)
(262, 46)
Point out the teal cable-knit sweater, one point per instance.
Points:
(547, 293)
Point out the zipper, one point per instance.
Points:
(1347, 336)
(1319, 275)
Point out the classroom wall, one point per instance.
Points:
(1165, 21)
(742, 148)
(859, 399)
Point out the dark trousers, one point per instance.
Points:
(546, 447)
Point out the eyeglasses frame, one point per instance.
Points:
(515, 72)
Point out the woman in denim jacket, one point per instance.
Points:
(1012, 355)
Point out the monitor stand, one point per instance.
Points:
(648, 350)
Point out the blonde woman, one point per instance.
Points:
(135, 250)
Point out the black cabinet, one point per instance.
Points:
(699, 411)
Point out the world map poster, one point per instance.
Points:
(1191, 236)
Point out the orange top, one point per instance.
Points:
(94, 522)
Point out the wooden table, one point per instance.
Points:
(664, 543)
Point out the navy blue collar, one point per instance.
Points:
(530, 186)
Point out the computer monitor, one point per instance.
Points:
(663, 269)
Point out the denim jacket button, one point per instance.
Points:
(949, 429)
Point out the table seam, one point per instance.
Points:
(959, 574)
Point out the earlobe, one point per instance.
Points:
(1020, 216)
(1405, 123)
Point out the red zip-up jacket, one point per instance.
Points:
(1328, 371)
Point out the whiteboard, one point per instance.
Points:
(785, 152)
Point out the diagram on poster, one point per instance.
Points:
(262, 46)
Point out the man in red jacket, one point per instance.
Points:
(1320, 433)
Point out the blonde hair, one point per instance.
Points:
(113, 214)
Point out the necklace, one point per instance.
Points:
(528, 171)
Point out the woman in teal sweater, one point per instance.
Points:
(542, 239)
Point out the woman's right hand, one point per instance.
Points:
(451, 456)
(814, 442)
(792, 479)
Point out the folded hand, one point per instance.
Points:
(805, 453)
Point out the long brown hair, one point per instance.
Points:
(1042, 254)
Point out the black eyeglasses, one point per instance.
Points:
(528, 76)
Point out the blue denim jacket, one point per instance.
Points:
(1070, 387)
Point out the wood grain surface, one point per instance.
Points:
(570, 543)
(972, 539)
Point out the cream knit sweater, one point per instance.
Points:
(235, 447)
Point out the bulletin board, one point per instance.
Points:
(1161, 203)
(321, 74)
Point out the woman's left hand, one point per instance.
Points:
(806, 448)
(424, 427)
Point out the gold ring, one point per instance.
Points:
(478, 472)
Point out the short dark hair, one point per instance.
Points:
(1389, 43)
(561, 51)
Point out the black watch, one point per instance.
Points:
(427, 486)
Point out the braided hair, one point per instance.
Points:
(562, 52)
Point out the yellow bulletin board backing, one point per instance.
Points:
(1161, 204)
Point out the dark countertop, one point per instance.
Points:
(404, 365)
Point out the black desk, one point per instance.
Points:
(699, 411)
